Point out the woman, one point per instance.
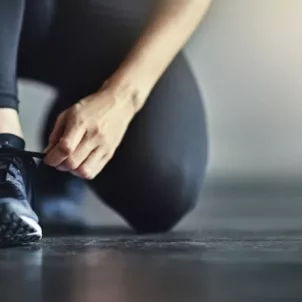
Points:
(128, 117)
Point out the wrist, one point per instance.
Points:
(126, 91)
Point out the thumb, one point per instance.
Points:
(57, 131)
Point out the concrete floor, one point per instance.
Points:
(239, 245)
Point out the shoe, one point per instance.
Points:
(18, 222)
(60, 196)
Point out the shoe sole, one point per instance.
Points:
(17, 229)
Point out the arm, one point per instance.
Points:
(172, 24)
(86, 136)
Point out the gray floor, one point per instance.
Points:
(241, 244)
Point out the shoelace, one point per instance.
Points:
(7, 155)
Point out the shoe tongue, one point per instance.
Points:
(5, 166)
(10, 179)
(4, 176)
(9, 143)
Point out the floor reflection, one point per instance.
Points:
(133, 269)
(110, 274)
(21, 274)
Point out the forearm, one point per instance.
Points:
(172, 24)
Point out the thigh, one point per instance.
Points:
(78, 44)
(34, 47)
(90, 39)
(156, 174)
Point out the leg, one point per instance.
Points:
(28, 21)
(11, 16)
(81, 47)
(18, 222)
(156, 175)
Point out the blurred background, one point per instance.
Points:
(247, 59)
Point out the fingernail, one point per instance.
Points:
(62, 169)
(75, 173)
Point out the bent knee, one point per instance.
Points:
(161, 213)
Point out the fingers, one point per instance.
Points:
(57, 132)
(85, 137)
(92, 165)
(83, 150)
(67, 144)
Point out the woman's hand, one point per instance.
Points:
(86, 136)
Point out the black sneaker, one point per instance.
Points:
(18, 222)
(60, 196)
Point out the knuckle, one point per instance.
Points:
(65, 146)
(76, 116)
(96, 132)
(75, 108)
(72, 113)
(108, 153)
(109, 157)
(71, 164)
(60, 116)
(80, 121)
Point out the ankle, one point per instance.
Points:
(10, 122)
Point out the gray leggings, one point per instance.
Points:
(157, 173)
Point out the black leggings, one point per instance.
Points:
(156, 175)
